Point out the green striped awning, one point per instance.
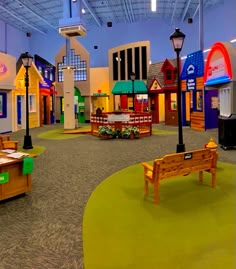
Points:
(125, 87)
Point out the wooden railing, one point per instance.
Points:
(118, 120)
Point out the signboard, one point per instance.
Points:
(28, 165)
(188, 156)
(100, 94)
(119, 117)
(4, 177)
(191, 84)
(218, 65)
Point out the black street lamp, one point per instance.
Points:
(132, 77)
(27, 62)
(177, 39)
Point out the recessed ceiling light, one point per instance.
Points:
(153, 5)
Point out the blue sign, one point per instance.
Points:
(191, 71)
(193, 66)
(191, 84)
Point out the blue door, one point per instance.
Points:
(19, 116)
(211, 109)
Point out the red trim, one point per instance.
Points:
(222, 49)
(47, 91)
(172, 88)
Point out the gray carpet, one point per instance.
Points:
(43, 229)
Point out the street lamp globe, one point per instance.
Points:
(132, 77)
(27, 59)
(177, 39)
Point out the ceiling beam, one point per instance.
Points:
(111, 9)
(131, 11)
(127, 15)
(185, 10)
(21, 20)
(91, 11)
(36, 14)
(195, 13)
(173, 13)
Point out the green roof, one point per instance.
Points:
(125, 87)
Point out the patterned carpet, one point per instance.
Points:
(43, 229)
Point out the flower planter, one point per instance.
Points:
(131, 136)
(105, 137)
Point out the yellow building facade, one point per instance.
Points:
(19, 100)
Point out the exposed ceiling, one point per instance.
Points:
(41, 15)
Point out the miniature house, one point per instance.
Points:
(162, 91)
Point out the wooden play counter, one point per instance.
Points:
(120, 119)
(12, 180)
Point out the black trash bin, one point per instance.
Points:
(227, 131)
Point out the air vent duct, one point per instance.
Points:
(71, 31)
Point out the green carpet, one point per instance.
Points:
(192, 227)
(162, 132)
(37, 150)
(57, 134)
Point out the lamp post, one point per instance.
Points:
(177, 39)
(27, 61)
(132, 76)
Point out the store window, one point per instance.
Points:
(168, 76)
(199, 101)
(144, 62)
(129, 62)
(137, 62)
(32, 103)
(62, 104)
(132, 59)
(80, 67)
(122, 65)
(3, 105)
(225, 102)
(173, 101)
(40, 69)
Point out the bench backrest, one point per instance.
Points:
(183, 163)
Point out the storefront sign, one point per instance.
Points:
(4, 177)
(3, 69)
(99, 94)
(191, 70)
(28, 165)
(119, 117)
(7, 71)
(191, 84)
(218, 65)
(216, 69)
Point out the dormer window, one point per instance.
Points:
(169, 71)
(169, 76)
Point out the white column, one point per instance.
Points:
(68, 88)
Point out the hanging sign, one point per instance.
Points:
(191, 84)
(28, 165)
(4, 177)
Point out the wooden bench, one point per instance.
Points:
(180, 164)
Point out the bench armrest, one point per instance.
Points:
(147, 167)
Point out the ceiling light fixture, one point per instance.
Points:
(153, 5)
